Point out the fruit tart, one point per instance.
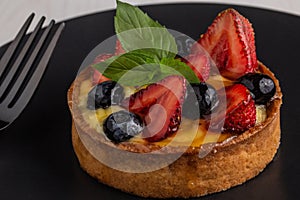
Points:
(186, 120)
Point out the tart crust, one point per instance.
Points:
(227, 164)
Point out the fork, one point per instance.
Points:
(18, 81)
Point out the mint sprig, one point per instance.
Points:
(150, 51)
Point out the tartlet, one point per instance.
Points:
(195, 164)
(226, 165)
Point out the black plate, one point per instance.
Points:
(36, 156)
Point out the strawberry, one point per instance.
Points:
(101, 58)
(240, 112)
(242, 118)
(200, 64)
(97, 76)
(119, 49)
(159, 105)
(230, 43)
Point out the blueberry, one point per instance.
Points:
(201, 100)
(261, 86)
(184, 44)
(122, 125)
(104, 95)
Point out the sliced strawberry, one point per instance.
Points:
(119, 49)
(159, 105)
(242, 118)
(101, 58)
(200, 64)
(97, 76)
(230, 43)
(240, 112)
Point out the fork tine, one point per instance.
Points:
(28, 65)
(20, 57)
(13, 46)
(38, 73)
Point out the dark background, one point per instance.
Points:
(36, 156)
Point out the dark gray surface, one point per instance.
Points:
(36, 156)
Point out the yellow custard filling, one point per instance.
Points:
(191, 132)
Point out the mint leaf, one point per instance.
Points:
(136, 30)
(133, 68)
(170, 66)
